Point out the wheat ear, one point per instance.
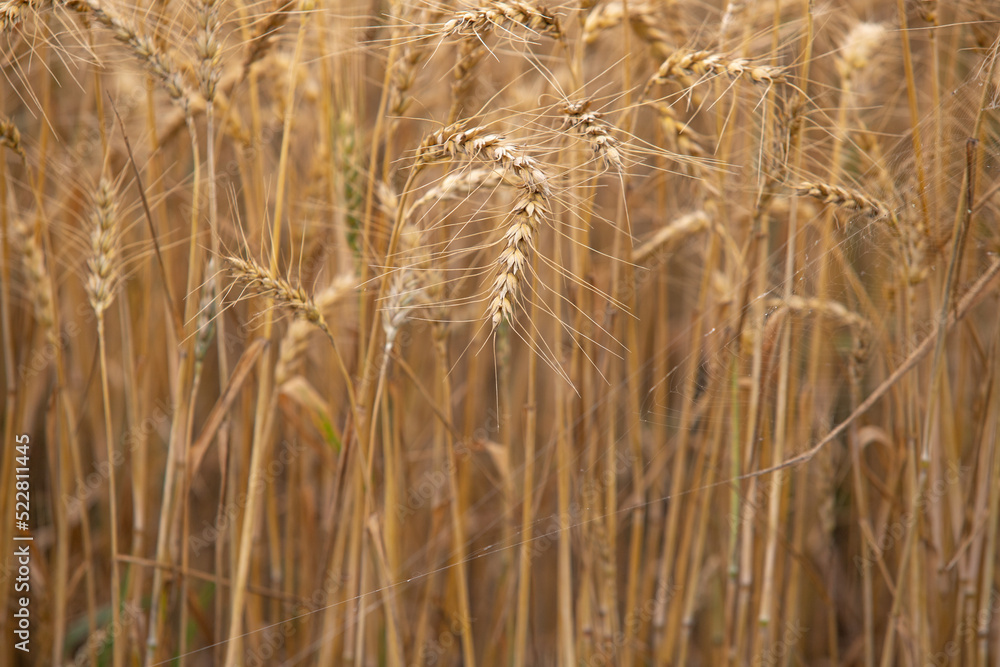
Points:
(406, 294)
(10, 137)
(159, 63)
(263, 38)
(834, 310)
(703, 63)
(844, 198)
(646, 22)
(12, 12)
(529, 211)
(458, 184)
(863, 40)
(404, 72)
(595, 131)
(208, 49)
(38, 280)
(684, 226)
(680, 137)
(103, 262)
(265, 283)
(502, 16)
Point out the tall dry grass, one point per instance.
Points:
(604, 333)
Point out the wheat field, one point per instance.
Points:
(413, 333)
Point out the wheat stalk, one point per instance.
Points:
(207, 312)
